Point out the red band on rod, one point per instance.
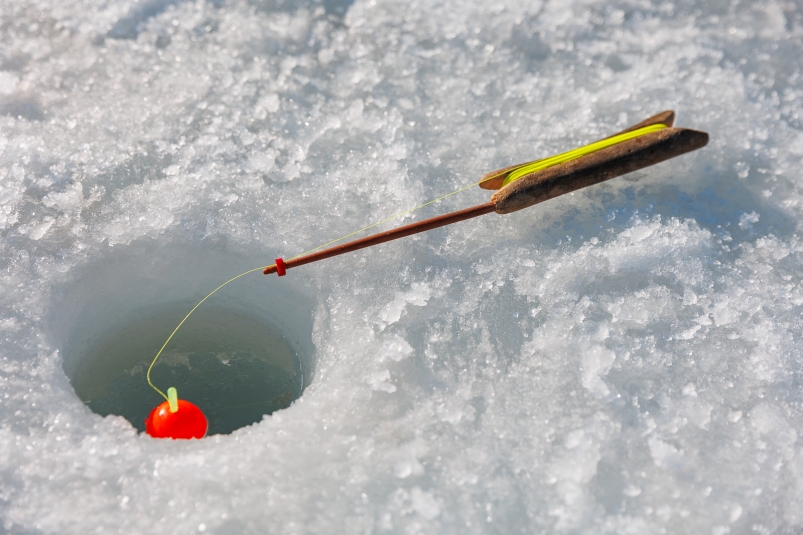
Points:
(280, 267)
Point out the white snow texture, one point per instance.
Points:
(625, 359)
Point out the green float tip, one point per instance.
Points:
(172, 399)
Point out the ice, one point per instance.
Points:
(626, 359)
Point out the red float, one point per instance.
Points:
(187, 422)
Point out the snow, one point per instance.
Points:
(626, 359)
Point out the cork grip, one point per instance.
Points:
(597, 167)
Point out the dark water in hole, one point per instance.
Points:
(236, 369)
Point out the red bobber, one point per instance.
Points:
(187, 421)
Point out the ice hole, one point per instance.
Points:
(245, 353)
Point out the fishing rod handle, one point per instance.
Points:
(495, 179)
(599, 166)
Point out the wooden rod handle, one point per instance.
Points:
(597, 167)
(382, 237)
(494, 179)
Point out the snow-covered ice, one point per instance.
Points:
(626, 359)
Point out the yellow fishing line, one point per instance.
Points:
(512, 175)
(185, 319)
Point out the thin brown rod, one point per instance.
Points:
(382, 237)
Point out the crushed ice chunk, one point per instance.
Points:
(664, 454)
(418, 295)
(748, 220)
(596, 361)
(379, 381)
(396, 348)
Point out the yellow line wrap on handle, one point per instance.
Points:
(538, 165)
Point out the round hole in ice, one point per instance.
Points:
(246, 352)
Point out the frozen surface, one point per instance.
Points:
(627, 359)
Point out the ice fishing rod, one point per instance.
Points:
(520, 186)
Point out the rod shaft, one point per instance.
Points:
(382, 237)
